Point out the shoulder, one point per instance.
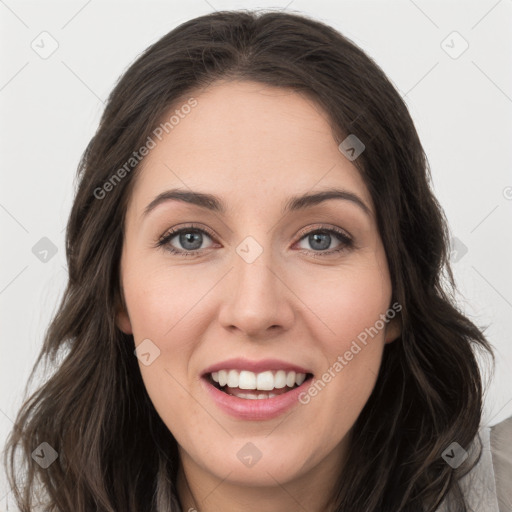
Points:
(488, 486)
(501, 451)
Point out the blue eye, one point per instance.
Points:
(320, 240)
(190, 240)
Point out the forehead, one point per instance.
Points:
(246, 139)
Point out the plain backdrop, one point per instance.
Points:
(450, 60)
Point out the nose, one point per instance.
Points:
(257, 299)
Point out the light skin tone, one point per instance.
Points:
(254, 146)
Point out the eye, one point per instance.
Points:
(320, 240)
(186, 241)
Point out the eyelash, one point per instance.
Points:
(346, 241)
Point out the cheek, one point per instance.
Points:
(347, 301)
(165, 306)
(160, 298)
(350, 336)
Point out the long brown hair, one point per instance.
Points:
(114, 452)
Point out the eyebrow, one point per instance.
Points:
(294, 203)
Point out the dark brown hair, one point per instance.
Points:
(115, 453)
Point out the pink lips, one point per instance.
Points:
(254, 410)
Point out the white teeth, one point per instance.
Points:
(248, 396)
(233, 378)
(264, 381)
(223, 377)
(280, 379)
(247, 380)
(290, 379)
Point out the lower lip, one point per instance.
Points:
(258, 409)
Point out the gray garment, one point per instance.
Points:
(501, 447)
(488, 486)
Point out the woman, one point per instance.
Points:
(255, 317)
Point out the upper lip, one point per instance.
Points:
(262, 365)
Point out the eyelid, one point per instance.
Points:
(322, 227)
(191, 226)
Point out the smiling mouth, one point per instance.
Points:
(256, 386)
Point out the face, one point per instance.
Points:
(252, 286)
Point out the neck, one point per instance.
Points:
(201, 491)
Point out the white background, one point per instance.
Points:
(50, 109)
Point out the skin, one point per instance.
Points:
(254, 146)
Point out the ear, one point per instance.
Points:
(122, 317)
(123, 321)
(393, 329)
